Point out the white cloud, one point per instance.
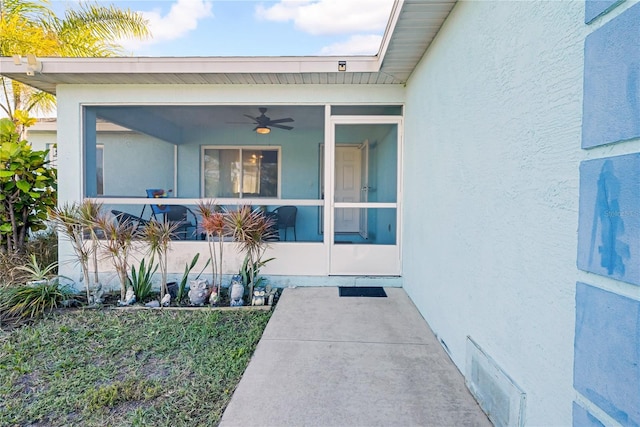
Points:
(324, 17)
(182, 18)
(355, 45)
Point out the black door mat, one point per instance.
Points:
(362, 291)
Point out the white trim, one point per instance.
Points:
(399, 191)
(373, 205)
(329, 147)
(338, 253)
(388, 32)
(199, 65)
(175, 170)
(195, 201)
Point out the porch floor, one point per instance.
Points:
(326, 360)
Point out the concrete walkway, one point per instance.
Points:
(330, 361)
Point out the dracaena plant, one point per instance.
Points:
(66, 220)
(213, 225)
(119, 237)
(77, 223)
(252, 229)
(90, 212)
(158, 235)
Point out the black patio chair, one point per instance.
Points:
(130, 219)
(286, 219)
(181, 216)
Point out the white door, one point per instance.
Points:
(348, 187)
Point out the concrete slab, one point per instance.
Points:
(324, 360)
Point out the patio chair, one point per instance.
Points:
(274, 233)
(132, 220)
(155, 193)
(286, 219)
(175, 214)
(180, 215)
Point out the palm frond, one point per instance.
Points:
(104, 23)
(34, 11)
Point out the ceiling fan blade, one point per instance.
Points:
(280, 126)
(288, 119)
(251, 117)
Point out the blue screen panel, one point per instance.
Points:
(607, 352)
(609, 217)
(611, 103)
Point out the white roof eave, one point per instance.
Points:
(55, 70)
(393, 64)
(195, 65)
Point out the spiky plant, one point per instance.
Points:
(119, 236)
(214, 226)
(28, 301)
(90, 212)
(158, 235)
(141, 279)
(66, 219)
(251, 229)
(37, 272)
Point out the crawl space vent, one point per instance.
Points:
(499, 397)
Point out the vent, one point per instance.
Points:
(499, 397)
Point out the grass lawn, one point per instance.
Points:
(134, 368)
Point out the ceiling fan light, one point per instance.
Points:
(263, 130)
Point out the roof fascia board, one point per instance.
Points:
(388, 32)
(199, 65)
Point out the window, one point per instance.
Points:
(52, 157)
(241, 172)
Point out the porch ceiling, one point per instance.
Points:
(170, 123)
(411, 29)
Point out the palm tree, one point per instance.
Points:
(30, 26)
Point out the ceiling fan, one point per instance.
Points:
(263, 123)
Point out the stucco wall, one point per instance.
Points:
(493, 130)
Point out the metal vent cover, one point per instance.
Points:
(498, 395)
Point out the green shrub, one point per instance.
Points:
(27, 187)
(141, 280)
(36, 272)
(44, 245)
(29, 301)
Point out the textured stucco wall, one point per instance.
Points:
(607, 326)
(493, 131)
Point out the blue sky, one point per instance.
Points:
(256, 28)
